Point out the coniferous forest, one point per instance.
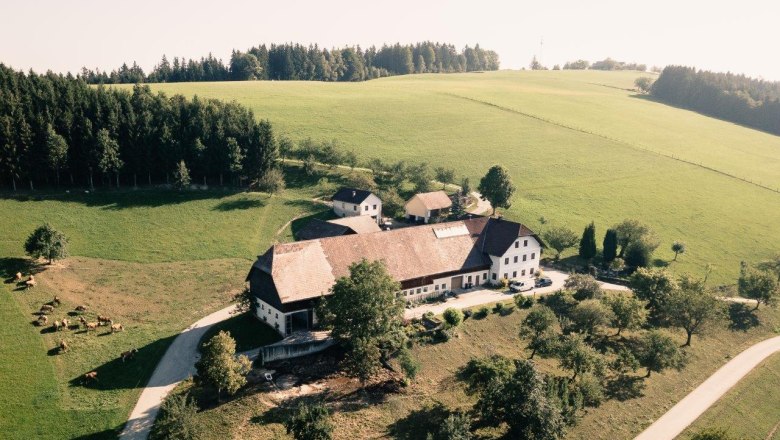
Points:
(736, 98)
(57, 129)
(307, 63)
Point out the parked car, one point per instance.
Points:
(520, 286)
(543, 282)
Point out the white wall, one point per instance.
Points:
(514, 269)
(439, 285)
(272, 316)
(372, 206)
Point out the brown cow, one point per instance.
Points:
(42, 320)
(90, 377)
(57, 326)
(65, 323)
(91, 326)
(82, 321)
(46, 308)
(81, 309)
(63, 347)
(56, 301)
(104, 320)
(129, 355)
(116, 327)
(18, 277)
(30, 283)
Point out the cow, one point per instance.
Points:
(65, 323)
(42, 320)
(63, 347)
(46, 308)
(90, 377)
(129, 355)
(18, 277)
(81, 309)
(116, 327)
(104, 320)
(29, 284)
(91, 326)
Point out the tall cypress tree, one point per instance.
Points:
(588, 242)
(610, 245)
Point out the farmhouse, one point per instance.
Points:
(426, 206)
(427, 260)
(332, 228)
(350, 202)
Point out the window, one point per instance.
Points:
(514, 274)
(517, 244)
(374, 207)
(443, 286)
(525, 257)
(277, 316)
(469, 280)
(525, 243)
(532, 271)
(366, 208)
(436, 287)
(516, 257)
(262, 306)
(533, 255)
(522, 272)
(419, 290)
(484, 276)
(265, 319)
(354, 208)
(506, 275)
(506, 260)
(425, 289)
(494, 276)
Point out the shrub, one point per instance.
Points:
(176, 418)
(271, 182)
(409, 365)
(592, 390)
(498, 308)
(523, 302)
(453, 317)
(310, 421)
(478, 373)
(456, 426)
(483, 312)
(583, 286)
(47, 242)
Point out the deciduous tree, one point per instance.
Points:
(537, 326)
(497, 187)
(47, 242)
(219, 367)
(760, 285)
(560, 238)
(658, 351)
(309, 421)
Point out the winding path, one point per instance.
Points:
(687, 410)
(482, 207)
(177, 364)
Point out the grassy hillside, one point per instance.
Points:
(580, 146)
(750, 409)
(152, 260)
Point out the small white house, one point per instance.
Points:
(350, 202)
(426, 206)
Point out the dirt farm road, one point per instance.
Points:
(177, 364)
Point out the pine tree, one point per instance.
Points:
(588, 242)
(181, 177)
(610, 245)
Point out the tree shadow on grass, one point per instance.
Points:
(298, 224)
(9, 266)
(127, 198)
(742, 317)
(116, 374)
(624, 388)
(658, 262)
(106, 434)
(240, 204)
(419, 423)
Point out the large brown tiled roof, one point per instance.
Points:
(308, 269)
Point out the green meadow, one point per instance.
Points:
(580, 145)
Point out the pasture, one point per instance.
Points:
(153, 260)
(409, 413)
(580, 145)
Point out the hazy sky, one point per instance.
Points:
(740, 36)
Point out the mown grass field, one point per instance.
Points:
(152, 260)
(407, 415)
(580, 147)
(749, 410)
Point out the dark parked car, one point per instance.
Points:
(543, 282)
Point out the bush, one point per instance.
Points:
(310, 421)
(523, 302)
(483, 312)
(453, 317)
(176, 419)
(498, 308)
(583, 286)
(409, 365)
(592, 390)
(271, 182)
(455, 427)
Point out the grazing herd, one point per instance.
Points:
(66, 324)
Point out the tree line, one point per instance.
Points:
(307, 63)
(56, 127)
(605, 64)
(736, 98)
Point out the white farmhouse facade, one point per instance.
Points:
(350, 202)
(427, 260)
